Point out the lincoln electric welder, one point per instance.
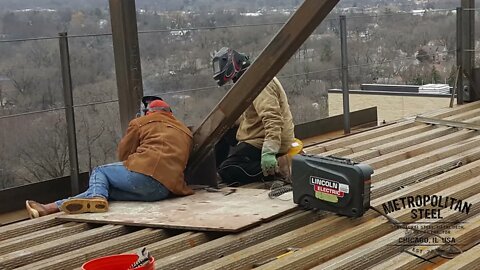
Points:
(332, 184)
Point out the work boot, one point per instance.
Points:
(36, 209)
(86, 205)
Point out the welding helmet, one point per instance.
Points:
(228, 65)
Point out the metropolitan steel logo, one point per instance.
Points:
(431, 223)
(426, 206)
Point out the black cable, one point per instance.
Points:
(57, 109)
(279, 191)
(33, 112)
(95, 103)
(146, 31)
(240, 168)
(205, 27)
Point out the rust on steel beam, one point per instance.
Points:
(127, 58)
(285, 43)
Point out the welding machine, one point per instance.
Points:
(331, 184)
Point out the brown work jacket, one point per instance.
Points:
(158, 145)
(268, 118)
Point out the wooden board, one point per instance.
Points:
(203, 211)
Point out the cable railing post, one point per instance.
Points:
(459, 85)
(346, 101)
(69, 111)
(468, 42)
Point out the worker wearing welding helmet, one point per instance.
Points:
(153, 155)
(265, 132)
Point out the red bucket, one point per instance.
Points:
(116, 262)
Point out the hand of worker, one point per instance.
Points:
(269, 164)
(269, 161)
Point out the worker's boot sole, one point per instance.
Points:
(32, 212)
(78, 206)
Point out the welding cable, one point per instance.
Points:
(243, 170)
(278, 188)
(442, 253)
(275, 193)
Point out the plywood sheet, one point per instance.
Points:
(203, 211)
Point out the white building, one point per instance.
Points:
(434, 89)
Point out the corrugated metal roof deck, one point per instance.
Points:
(409, 158)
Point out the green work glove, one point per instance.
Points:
(269, 164)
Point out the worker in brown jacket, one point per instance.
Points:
(153, 156)
(265, 132)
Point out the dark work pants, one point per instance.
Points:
(223, 147)
(242, 165)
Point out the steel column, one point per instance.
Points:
(127, 58)
(69, 111)
(286, 42)
(346, 101)
(468, 42)
(459, 85)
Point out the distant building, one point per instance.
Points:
(418, 12)
(181, 97)
(34, 10)
(353, 10)
(179, 33)
(252, 14)
(437, 89)
(393, 102)
(102, 23)
(434, 89)
(437, 53)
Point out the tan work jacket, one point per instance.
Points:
(268, 118)
(158, 145)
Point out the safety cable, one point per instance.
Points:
(211, 27)
(58, 108)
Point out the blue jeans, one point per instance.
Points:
(115, 182)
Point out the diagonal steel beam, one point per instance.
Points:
(286, 42)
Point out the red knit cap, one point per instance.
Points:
(158, 105)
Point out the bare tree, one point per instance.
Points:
(21, 79)
(2, 103)
(7, 179)
(91, 136)
(45, 154)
